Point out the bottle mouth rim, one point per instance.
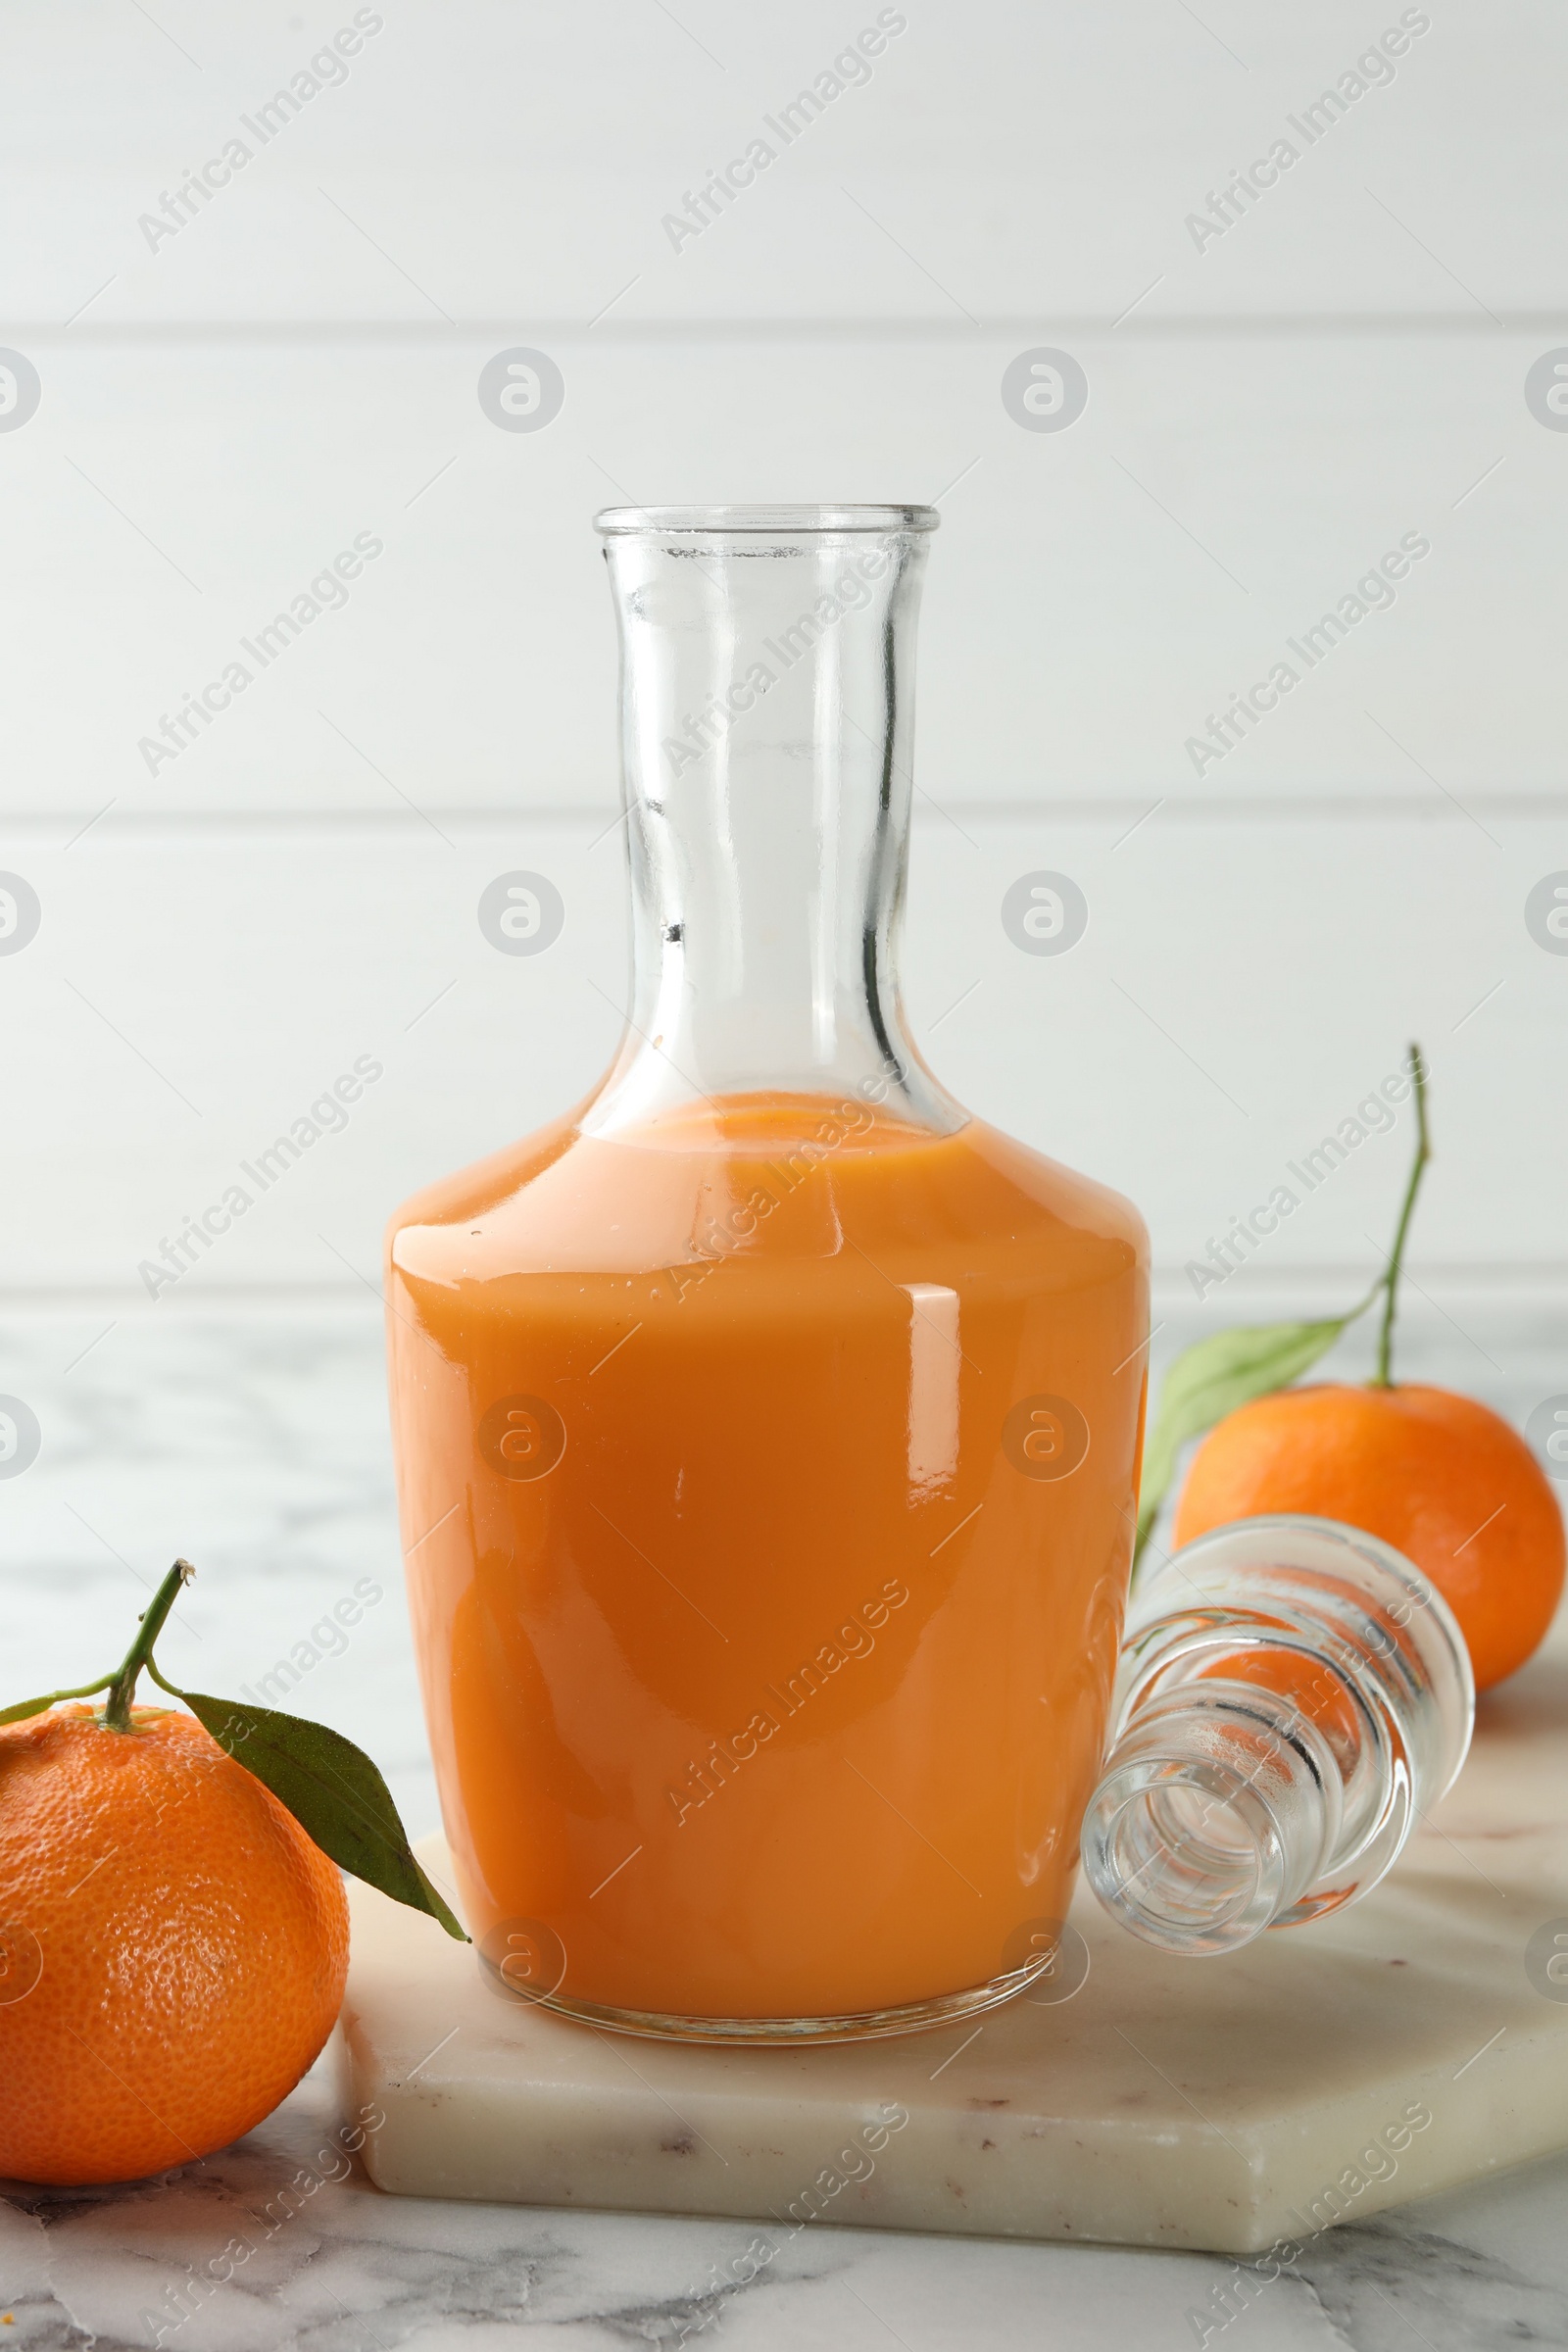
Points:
(725, 522)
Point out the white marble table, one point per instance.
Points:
(354, 2272)
(257, 1446)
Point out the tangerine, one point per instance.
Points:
(172, 1947)
(1439, 1476)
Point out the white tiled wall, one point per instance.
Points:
(1006, 159)
(223, 932)
(1246, 978)
(1093, 595)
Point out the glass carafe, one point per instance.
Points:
(767, 1427)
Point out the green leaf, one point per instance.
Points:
(40, 1707)
(331, 1787)
(1211, 1379)
(27, 1706)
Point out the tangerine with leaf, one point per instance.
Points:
(1438, 1475)
(174, 1932)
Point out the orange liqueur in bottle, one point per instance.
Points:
(767, 1427)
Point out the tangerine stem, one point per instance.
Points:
(1382, 1377)
(122, 1688)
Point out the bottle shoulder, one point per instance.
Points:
(501, 1175)
(560, 1201)
(1059, 1191)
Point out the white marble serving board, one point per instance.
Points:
(1224, 2104)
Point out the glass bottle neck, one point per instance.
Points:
(766, 737)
